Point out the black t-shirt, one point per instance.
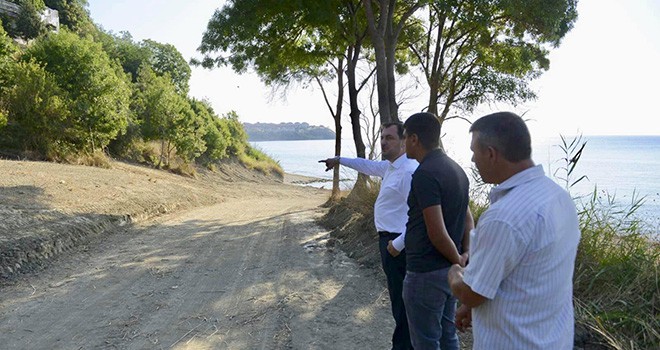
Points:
(437, 181)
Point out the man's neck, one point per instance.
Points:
(514, 168)
(396, 157)
(423, 153)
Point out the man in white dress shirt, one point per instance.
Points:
(517, 290)
(390, 216)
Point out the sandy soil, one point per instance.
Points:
(229, 260)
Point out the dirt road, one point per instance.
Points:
(252, 272)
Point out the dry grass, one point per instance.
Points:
(256, 159)
(96, 159)
(616, 275)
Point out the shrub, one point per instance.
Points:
(257, 160)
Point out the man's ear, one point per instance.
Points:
(493, 155)
(413, 139)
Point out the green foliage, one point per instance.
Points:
(217, 136)
(238, 136)
(282, 40)
(97, 97)
(38, 112)
(167, 116)
(256, 159)
(616, 275)
(475, 52)
(165, 59)
(7, 46)
(28, 25)
(122, 48)
(74, 15)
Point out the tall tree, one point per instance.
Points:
(473, 52)
(163, 59)
(387, 19)
(166, 116)
(122, 48)
(284, 42)
(166, 59)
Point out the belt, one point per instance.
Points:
(386, 233)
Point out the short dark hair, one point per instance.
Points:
(427, 128)
(507, 133)
(399, 127)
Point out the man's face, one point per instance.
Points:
(481, 158)
(390, 144)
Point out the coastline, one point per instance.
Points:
(297, 179)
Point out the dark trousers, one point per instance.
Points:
(395, 271)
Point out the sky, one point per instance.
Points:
(603, 79)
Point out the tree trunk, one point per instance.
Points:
(390, 46)
(378, 41)
(336, 192)
(360, 149)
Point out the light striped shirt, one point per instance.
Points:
(522, 258)
(391, 207)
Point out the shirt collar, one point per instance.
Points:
(396, 164)
(520, 178)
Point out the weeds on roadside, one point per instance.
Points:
(256, 159)
(616, 274)
(616, 269)
(616, 281)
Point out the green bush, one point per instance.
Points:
(96, 97)
(616, 274)
(37, 113)
(256, 159)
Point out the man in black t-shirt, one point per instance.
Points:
(437, 235)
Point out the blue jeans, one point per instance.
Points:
(431, 309)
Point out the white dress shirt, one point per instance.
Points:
(391, 207)
(522, 256)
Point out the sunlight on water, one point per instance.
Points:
(616, 164)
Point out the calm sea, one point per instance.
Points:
(616, 165)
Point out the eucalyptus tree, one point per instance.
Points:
(482, 51)
(292, 41)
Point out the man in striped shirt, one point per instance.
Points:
(517, 290)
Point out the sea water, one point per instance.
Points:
(626, 167)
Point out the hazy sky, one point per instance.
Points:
(603, 79)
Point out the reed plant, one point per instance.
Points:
(616, 270)
(616, 281)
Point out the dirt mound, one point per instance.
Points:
(351, 226)
(48, 208)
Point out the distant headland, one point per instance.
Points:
(287, 132)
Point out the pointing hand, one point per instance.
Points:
(330, 163)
